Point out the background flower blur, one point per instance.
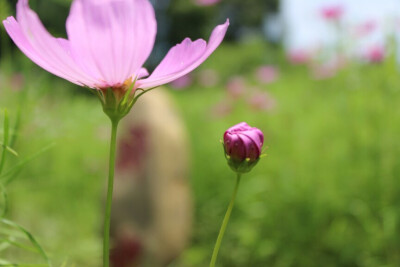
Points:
(320, 78)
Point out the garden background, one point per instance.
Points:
(327, 194)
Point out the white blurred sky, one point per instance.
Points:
(306, 29)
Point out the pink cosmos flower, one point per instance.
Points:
(267, 74)
(397, 24)
(108, 43)
(206, 2)
(375, 54)
(262, 101)
(365, 28)
(236, 87)
(332, 13)
(222, 109)
(298, 56)
(323, 71)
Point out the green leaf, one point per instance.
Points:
(9, 149)
(19, 245)
(18, 167)
(4, 246)
(14, 132)
(3, 201)
(5, 263)
(8, 264)
(28, 235)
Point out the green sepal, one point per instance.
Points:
(242, 166)
(110, 104)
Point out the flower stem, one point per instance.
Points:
(225, 223)
(111, 169)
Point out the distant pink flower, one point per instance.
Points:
(298, 57)
(332, 13)
(397, 24)
(208, 77)
(267, 74)
(182, 82)
(375, 54)
(340, 62)
(222, 109)
(17, 81)
(365, 28)
(323, 71)
(108, 43)
(206, 2)
(236, 86)
(262, 101)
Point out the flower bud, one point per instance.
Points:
(242, 145)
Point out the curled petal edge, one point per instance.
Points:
(160, 76)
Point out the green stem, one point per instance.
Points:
(5, 140)
(107, 217)
(225, 223)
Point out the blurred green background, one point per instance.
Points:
(327, 194)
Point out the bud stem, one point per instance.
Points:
(107, 217)
(225, 222)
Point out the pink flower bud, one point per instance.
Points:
(242, 145)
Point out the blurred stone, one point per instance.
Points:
(152, 209)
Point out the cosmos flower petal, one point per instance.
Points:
(255, 135)
(111, 39)
(108, 43)
(143, 72)
(48, 52)
(183, 58)
(251, 138)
